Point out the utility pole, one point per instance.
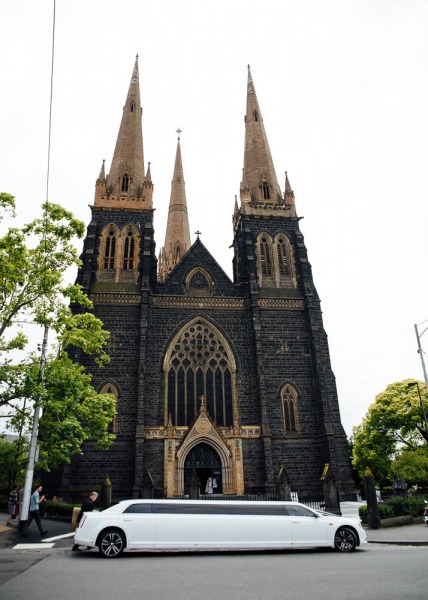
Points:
(33, 441)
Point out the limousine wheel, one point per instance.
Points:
(111, 543)
(345, 540)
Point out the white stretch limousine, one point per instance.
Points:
(215, 524)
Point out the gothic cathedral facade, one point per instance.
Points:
(226, 380)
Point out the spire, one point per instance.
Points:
(289, 201)
(126, 186)
(259, 183)
(177, 237)
(102, 174)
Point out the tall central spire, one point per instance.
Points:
(126, 185)
(259, 183)
(177, 237)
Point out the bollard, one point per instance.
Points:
(75, 514)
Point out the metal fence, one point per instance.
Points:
(312, 498)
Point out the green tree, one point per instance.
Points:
(392, 438)
(13, 460)
(33, 260)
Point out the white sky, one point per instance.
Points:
(343, 90)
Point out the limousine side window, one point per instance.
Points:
(299, 511)
(138, 508)
(217, 509)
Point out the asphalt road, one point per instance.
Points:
(375, 572)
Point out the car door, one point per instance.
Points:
(139, 524)
(307, 527)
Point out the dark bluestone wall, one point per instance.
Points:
(272, 343)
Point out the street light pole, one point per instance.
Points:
(421, 354)
(34, 432)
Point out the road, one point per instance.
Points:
(375, 572)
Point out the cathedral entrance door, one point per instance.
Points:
(205, 461)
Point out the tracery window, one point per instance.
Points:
(289, 408)
(125, 182)
(265, 256)
(109, 388)
(199, 364)
(128, 251)
(283, 258)
(110, 249)
(266, 190)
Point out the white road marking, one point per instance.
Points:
(33, 546)
(59, 537)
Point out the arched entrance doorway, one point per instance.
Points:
(206, 463)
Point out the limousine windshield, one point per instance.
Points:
(196, 524)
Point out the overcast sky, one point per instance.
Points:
(343, 90)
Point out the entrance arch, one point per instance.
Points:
(205, 462)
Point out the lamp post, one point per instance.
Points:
(424, 416)
(421, 354)
(32, 457)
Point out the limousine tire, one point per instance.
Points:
(111, 543)
(345, 540)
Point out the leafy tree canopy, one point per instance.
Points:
(393, 439)
(33, 260)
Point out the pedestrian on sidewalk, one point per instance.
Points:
(12, 505)
(87, 506)
(34, 512)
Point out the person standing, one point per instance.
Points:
(88, 505)
(12, 506)
(34, 512)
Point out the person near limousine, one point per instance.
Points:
(87, 506)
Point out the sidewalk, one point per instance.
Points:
(414, 534)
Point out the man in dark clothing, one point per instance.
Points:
(87, 506)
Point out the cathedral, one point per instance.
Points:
(226, 381)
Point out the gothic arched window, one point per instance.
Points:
(266, 190)
(128, 251)
(109, 388)
(265, 256)
(289, 408)
(125, 182)
(109, 249)
(199, 363)
(283, 257)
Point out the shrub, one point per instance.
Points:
(396, 507)
(58, 509)
(385, 512)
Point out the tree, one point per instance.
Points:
(392, 439)
(33, 260)
(13, 460)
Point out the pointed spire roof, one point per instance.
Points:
(177, 237)
(126, 184)
(259, 177)
(128, 154)
(102, 174)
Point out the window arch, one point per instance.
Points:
(199, 363)
(125, 182)
(289, 408)
(266, 190)
(284, 266)
(109, 247)
(110, 388)
(129, 251)
(265, 257)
